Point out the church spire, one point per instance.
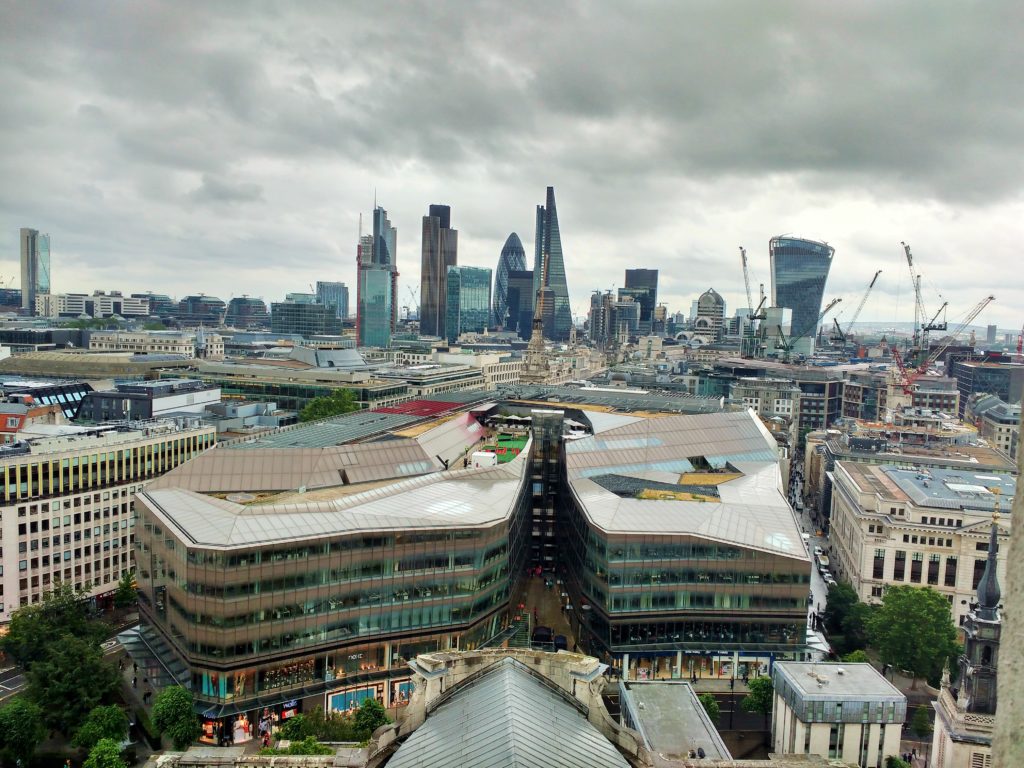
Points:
(989, 592)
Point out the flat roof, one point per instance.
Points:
(832, 680)
(954, 489)
(672, 720)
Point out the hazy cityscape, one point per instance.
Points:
(459, 385)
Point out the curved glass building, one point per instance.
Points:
(799, 271)
(512, 259)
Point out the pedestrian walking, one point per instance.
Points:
(135, 666)
(135, 682)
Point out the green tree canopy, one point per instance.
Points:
(71, 680)
(339, 402)
(21, 729)
(107, 722)
(710, 705)
(857, 657)
(126, 595)
(922, 722)
(370, 716)
(106, 754)
(760, 697)
(855, 626)
(841, 598)
(175, 717)
(34, 628)
(896, 762)
(913, 630)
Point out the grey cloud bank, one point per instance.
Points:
(230, 148)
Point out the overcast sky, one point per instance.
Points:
(228, 148)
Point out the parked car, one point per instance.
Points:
(542, 634)
(818, 551)
(561, 643)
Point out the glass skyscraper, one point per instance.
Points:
(520, 302)
(549, 272)
(376, 283)
(799, 271)
(35, 267)
(333, 294)
(512, 259)
(468, 299)
(642, 286)
(440, 251)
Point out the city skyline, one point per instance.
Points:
(220, 155)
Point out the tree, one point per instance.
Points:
(71, 680)
(340, 401)
(857, 657)
(174, 716)
(106, 754)
(296, 728)
(841, 598)
(126, 596)
(913, 631)
(108, 722)
(369, 717)
(309, 746)
(34, 628)
(922, 722)
(855, 626)
(21, 729)
(896, 762)
(710, 706)
(760, 697)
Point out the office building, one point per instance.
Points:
(67, 509)
(160, 305)
(333, 294)
(917, 527)
(305, 319)
(997, 422)
(799, 271)
(642, 285)
(200, 310)
(374, 311)
(440, 250)
(549, 272)
(247, 312)
(35, 267)
(100, 304)
(710, 315)
(520, 302)
(846, 712)
(187, 344)
(1003, 379)
(966, 715)
(512, 259)
(145, 400)
(468, 298)
(990, 335)
(384, 253)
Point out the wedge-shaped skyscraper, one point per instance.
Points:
(549, 273)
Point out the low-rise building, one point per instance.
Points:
(99, 304)
(918, 527)
(436, 378)
(67, 512)
(997, 421)
(148, 400)
(843, 711)
(188, 344)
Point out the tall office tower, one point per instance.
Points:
(374, 294)
(512, 259)
(642, 286)
(549, 272)
(710, 314)
(35, 267)
(520, 302)
(385, 253)
(799, 271)
(440, 251)
(990, 334)
(333, 294)
(468, 301)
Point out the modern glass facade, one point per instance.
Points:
(333, 294)
(244, 312)
(468, 301)
(799, 271)
(549, 271)
(520, 302)
(35, 267)
(512, 258)
(253, 626)
(373, 324)
(304, 319)
(642, 285)
(440, 251)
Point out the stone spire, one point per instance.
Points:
(989, 592)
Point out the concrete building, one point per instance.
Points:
(435, 378)
(923, 527)
(67, 508)
(847, 712)
(997, 422)
(99, 304)
(710, 319)
(188, 344)
(147, 400)
(1002, 379)
(767, 397)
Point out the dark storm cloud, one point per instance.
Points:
(254, 134)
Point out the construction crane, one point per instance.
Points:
(860, 306)
(787, 345)
(915, 281)
(837, 335)
(749, 343)
(746, 277)
(908, 376)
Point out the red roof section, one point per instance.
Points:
(419, 408)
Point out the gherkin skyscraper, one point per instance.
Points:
(550, 288)
(512, 259)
